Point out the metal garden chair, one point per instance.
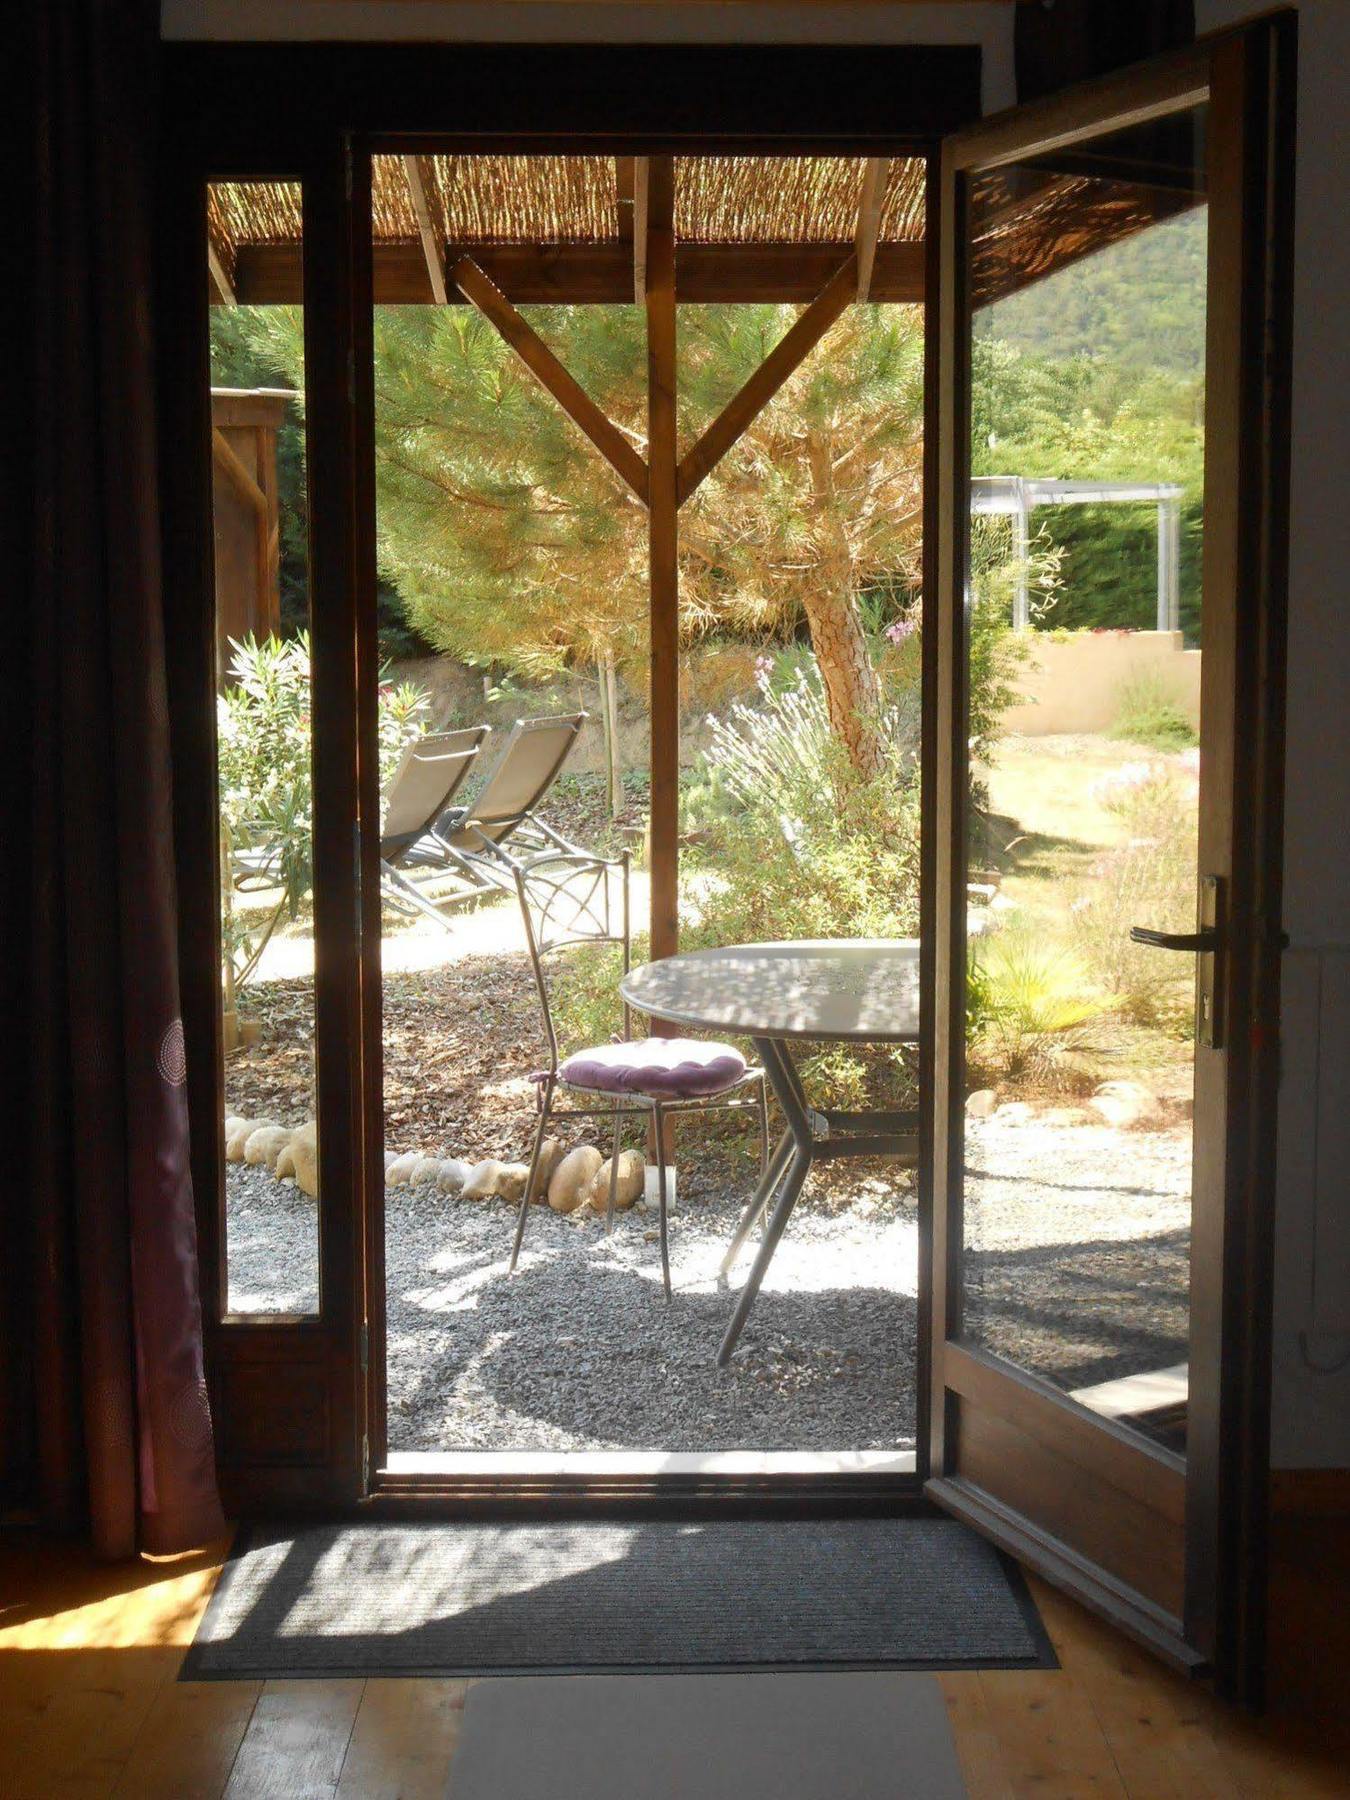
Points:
(567, 900)
(432, 771)
(500, 827)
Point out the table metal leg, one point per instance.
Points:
(788, 1090)
(770, 1176)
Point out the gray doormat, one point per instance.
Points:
(474, 1599)
(717, 1737)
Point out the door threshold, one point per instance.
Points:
(648, 1466)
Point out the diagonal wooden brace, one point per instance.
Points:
(788, 355)
(480, 291)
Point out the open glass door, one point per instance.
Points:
(1106, 614)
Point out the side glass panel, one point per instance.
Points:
(1085, 644)
(263, 748)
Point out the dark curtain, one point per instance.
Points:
(1061, 41)
(103, 1401)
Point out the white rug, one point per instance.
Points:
(706, 1737)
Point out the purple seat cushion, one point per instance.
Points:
(668, 1068)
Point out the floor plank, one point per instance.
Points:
(1049, 1738)
(977, 1744)
(403, 1740)
(189, 1741)
(296, 1741)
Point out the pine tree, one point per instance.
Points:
(511, 541)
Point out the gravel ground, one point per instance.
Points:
(1078, 1246)
(1078, 1270)
(581, 1351)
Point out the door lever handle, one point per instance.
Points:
(1195, 941)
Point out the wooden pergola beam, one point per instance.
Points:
(663, 556)
(787, 355)
(875, 176)
(433, 248)
(221, 286)
(597, 274)
(551, 375)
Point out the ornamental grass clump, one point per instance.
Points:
(1148, 878)
(792, 844)
(1031, 1011)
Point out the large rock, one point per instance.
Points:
(1015, 1112)
(632, 1174)
(426, 1172)
(265, 1145)
(981, 1103)
(550, 1154)
(1125, 1103)
(399, 1172)
(236, 1140)
(300, 1158)
(454, 1173)
(481, 1181)
(511, 1179)
(573, 1175)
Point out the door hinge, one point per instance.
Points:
(364, 1349)
(365, 1465)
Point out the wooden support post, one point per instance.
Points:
(663, 526)
(481, 292)
(869, 219)
(433, 246)
(786, 356)
(640, 170)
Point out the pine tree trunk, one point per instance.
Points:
(852, 692)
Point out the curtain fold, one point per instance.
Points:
(1057, 42)
(107, 1394)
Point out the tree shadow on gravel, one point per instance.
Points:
(1079, 1314)
(605, 1362)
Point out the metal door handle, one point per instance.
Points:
(1196, 941)
(1206, 942)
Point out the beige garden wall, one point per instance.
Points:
(1074, 683)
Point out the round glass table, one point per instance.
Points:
(847, 990)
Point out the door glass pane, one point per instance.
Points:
(514, 592)
(263, 746)
(1084, 640)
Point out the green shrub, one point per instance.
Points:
(1148, 713)
(264, 775)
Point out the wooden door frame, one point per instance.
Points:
(1217, 1622)
(282, 111)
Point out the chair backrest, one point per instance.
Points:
(429, 775)
(530, 762)
(567, 900)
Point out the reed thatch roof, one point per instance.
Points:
(748, 228)
(776, 226)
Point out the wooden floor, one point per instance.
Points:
(89, 1706)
